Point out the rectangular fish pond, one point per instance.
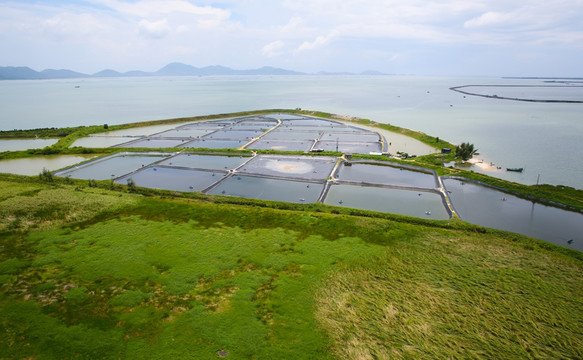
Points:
(423, 203)
(152, 142)
(25, 144)
(486, 206)
(281, 145)
(111, 167)
(350, 147)
(263, 188)
(102, 141)
(291, 167)
(297, 179)
(34, 165)
(207, 161)
(173, 178)
(291, 135)
(184, 133)
(384, 174)
(215, 144)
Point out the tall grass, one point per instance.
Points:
(89, 274)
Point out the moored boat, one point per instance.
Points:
(515, 169)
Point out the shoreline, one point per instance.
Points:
(480, 164)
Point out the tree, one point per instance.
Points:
(465, 151)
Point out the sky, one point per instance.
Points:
(413, 37)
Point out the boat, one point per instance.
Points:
(515, 169)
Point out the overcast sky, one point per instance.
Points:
(444, 37)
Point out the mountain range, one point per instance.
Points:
(172, 69)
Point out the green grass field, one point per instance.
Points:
(93, 273)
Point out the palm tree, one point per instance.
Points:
(465, 151)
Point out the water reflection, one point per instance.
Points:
(385, 175)
(111, 167)
(421, 204)
(25, 144)
(35, 165)
(488, 207)
(269, 189)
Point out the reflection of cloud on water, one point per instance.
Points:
(293, 167)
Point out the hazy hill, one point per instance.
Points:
(172, 69)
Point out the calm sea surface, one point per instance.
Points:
(543, 138)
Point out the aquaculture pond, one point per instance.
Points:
(25, 144)
(215, 144)
(354, 136)
(173, 178)
(266, 132)
(282, 145)
(291, 135)
(153, 142)
(422, 203)
(111, 167)
(377, 173)
(102, 141)
(182, 133)
(255, 187)
(35, 165)
(485, 206)
(350, 147)
(296, 167)
(211, 162)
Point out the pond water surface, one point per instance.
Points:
(420, 204)
(111, 167)
(25, 144)
(385, 175)
(35, 165)
(211, 162)
(169, 178)
(269, 189)
(489, 207)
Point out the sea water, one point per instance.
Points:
(542, 138)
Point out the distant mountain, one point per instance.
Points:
(60, 74)
(107, 73)
(179, 69)
(172, 69)
(372, 72)
(18, 73)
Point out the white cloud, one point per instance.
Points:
(320, 41)
(204, 16)
(119, 33)
(488, 19)
(154, 29)
(293, 25)
(273, 48)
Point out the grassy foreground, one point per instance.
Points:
(94, 273)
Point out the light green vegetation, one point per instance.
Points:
(105, 273)
(26, 206)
